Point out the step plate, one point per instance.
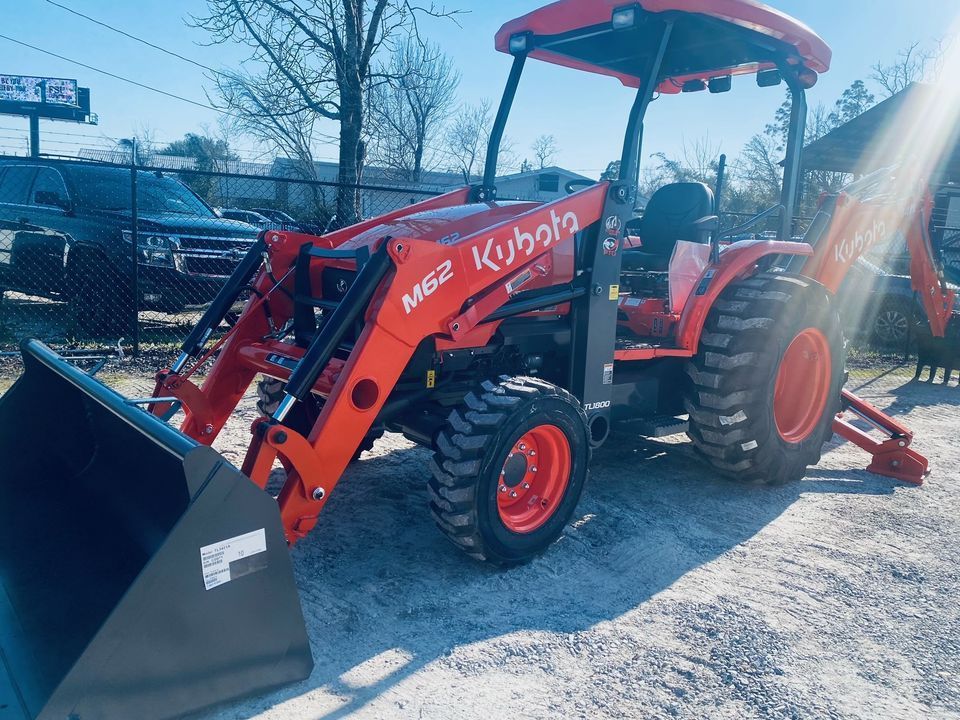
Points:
(660, 426)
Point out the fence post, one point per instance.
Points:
(134, 249)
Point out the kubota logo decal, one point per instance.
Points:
(428, 286)
(524, 243)
(846, 250)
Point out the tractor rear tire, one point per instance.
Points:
(269, 394)
(766, 383)
(509, 468)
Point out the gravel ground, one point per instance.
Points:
(673, 594)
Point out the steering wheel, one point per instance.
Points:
(572, 185)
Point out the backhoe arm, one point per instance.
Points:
(873, 212)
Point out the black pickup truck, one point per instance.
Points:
(66, 234)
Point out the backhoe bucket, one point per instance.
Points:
(141, 575)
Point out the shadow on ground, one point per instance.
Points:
(385, 595)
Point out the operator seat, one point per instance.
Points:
(679, 211)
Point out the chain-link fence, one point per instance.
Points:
(93, 252)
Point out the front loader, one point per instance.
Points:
(509, 337)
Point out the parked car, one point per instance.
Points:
(250, 217)
(286, 222)
(880, 306)
(65, 233)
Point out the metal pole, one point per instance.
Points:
(134, 248)
(721, 176)
(792, 173)
(487, 190)
(34, 135)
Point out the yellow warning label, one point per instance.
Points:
(431, 379)
(614, 292)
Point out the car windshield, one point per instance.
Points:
(109, 189)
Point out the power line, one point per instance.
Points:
(113, 75)
(65, 134)
(132, 37)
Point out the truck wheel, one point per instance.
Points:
(508, 469)
(100, 304)
(269, 394)
(766, 383)
(891, 326)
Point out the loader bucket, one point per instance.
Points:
(141, 575)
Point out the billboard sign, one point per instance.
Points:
(46, 97)
(38, 90)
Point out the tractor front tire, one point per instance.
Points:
(509, 468)
(766, 383)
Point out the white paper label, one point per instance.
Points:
(230, 559)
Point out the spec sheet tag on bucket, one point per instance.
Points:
(231, 559)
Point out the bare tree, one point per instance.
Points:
(698, 162)
(316, 60)
(467, 139)
(913, 64)
(544, 150)
(147, 143)
(408, 111)
(267, 114)
(759, 169)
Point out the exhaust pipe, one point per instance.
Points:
(141, 575)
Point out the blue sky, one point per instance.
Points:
(586, 113)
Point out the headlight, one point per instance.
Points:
(155, 250)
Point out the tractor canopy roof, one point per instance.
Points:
(710, 39)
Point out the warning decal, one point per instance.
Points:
(608, 374)
(230, 559)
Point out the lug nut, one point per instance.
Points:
(522, 447)
(319, 493)
(503, 488)
(533, 453)
(533, 468)
(526, 486)
(513, 494)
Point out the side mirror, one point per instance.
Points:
(51, 198)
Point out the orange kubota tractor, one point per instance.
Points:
(144, 576)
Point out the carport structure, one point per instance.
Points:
(852, 148)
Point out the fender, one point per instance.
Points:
(735, 262)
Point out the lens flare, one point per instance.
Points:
(884, 216)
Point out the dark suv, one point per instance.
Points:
(66, 229)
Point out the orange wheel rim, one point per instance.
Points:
(534, 479)
(803, 386)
